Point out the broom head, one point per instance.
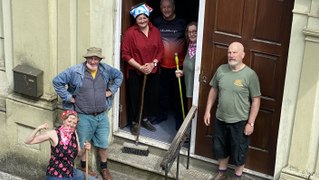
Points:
(137, 149)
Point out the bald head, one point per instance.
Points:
(237, 45)
(236, 55)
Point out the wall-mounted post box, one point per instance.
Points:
(28, 81)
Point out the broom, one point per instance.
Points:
(180, 86)
(135, 148)
(86, 164)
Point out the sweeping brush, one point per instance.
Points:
(131, 148)
(136, 148)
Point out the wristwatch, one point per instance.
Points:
(251, 124)
(155, 63)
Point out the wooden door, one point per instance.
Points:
(263, 26)
(127, 21)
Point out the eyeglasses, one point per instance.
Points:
(192, 32)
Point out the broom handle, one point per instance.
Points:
(141, 108)
(180, 86)
(86, 164)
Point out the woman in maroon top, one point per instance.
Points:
(64, 147)
(142, 50)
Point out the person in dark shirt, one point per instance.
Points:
(65, 147)
(172, 29)
(142, 51)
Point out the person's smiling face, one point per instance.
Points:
(71, 122)
(142, 21)
(192, 33)
(92, 62)
(167, 9)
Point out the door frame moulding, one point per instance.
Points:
(117, 30)
(152, 142)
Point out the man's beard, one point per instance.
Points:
(233, 63)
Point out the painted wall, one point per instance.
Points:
(297, 148)
(49, 35)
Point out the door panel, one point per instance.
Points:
(263, 26)
(127, 21)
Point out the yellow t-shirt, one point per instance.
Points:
(93, 73)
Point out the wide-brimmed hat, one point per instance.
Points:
(141, 9)
(94, 51)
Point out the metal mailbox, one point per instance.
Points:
(28, 81)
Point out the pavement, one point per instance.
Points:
(6, 176)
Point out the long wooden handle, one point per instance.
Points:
(180, 86)
(86, 164)
(141, 108)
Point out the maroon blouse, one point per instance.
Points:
(141, 48)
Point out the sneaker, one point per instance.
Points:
(106, 174)
(134, 129)
(148, 125)
(91, 172)
(220, 176)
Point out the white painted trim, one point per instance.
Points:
(198, 61)
(118, 22)
(8, 40)
(117, 60)
(292, 79)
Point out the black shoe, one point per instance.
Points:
(134, 129)
(148, 125)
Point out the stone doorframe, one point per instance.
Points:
(297, 146)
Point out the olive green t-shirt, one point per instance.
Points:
(235, 90)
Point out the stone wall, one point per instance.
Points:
(298, 142)
(49, 35)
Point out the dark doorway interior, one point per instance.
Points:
(186, 9)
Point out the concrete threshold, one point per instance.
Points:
(149, 166)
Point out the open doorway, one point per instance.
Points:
(186, 9)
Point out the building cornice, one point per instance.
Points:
(311, 35)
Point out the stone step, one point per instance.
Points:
(150, 165)
(131, 166)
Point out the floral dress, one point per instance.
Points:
(62, 155)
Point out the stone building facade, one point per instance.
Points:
(52, 35)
